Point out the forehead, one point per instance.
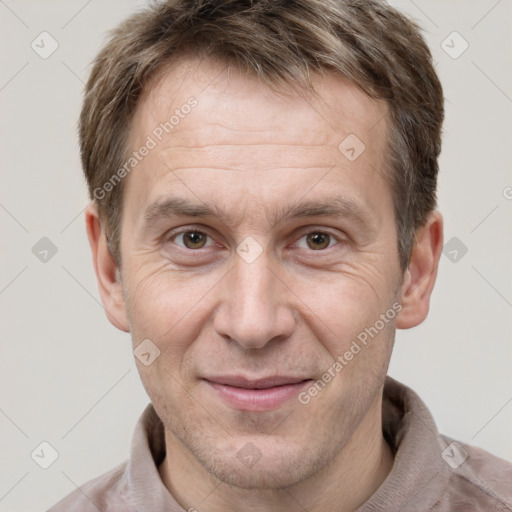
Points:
(207, 117)
(332, 107)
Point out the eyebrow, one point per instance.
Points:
(337, 206)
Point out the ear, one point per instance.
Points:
(107, 274)
(420, 276)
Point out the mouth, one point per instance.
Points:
(256, 395)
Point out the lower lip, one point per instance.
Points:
(258, 399)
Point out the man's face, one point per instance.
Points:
(319, 267)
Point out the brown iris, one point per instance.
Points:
(194, 239)
(318, 240)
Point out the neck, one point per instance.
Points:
(344, 485)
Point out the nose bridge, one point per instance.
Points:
(252, 288)
(255, 309)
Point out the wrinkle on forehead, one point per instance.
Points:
(256, 157)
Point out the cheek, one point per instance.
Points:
(168, 307)
(347, 298)
(352, 306)
(170, 311)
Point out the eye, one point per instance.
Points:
(192, 239)
(317, 241)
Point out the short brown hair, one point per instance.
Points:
(281, 43)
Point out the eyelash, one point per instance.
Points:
(173, 235)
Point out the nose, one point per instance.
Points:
(256, 306)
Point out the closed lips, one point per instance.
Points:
(264, 383)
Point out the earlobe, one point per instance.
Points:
(106, 270)
(420, 277)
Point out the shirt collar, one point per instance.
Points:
(419, 475)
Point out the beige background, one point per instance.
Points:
(68, 377)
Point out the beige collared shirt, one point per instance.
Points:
(430, 472)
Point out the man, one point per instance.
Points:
(263, 177)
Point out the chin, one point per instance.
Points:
(263, 477)
(272, 468)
